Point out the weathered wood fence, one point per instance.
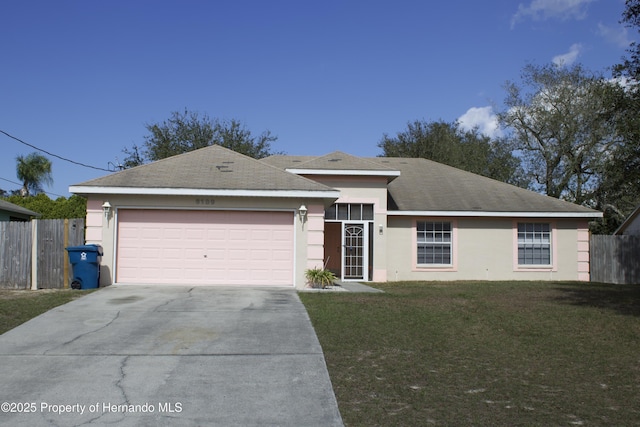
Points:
(33, 255)
(615, 259)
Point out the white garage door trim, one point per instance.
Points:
(204, 247)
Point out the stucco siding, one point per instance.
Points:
(109, 229)
(484, 249)
(95, 222)
(367, 190)
(315, 236)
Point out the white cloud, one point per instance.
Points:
(618, 36)
(548, 9)
(482, 118)
(570, 57)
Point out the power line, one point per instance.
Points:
(17, 183)
(54, 155)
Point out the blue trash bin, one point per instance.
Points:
(85, 261)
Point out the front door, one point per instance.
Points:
(333, 247)
(354, 252)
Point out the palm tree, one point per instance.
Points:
(33, 170)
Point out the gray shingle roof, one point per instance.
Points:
(10, 207)
(425, 185)
(428, 186)
(283, 161)
(210, 168)
(340, 161)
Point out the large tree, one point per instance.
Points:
(188, 131)
(448, 143)
(630, 66)
(560, 119)
(619, 192)
(33, 170)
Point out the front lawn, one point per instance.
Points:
(482, 353)
(17, 307)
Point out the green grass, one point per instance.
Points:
(16, 307)
(480, 353)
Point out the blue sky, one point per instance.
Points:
(80, 79)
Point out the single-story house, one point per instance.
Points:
(13, 212)
(631, 225)
(216, 217)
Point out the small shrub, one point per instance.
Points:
(319, 277)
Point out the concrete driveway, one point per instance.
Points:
(149, 356)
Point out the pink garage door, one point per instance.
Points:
(204, 247)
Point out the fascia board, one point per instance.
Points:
(627, 222)
(80, 189)
(348, 172)
(498, 214)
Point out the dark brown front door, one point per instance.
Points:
(332, 246)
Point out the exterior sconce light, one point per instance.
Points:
(380, 229)
(302, 211)
(106, 208)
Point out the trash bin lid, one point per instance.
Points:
(85, 248)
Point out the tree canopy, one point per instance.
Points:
(561, 122)
(448, 143)
(630, 67)
(619, 193)
(33, 170)
(187, 131)
(72, 207)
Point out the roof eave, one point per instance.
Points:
(19, 210)
(319, 194)
(359, 172)
(495, 214)
(390, 174)
(627, 222)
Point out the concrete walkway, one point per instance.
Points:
(179, 356)
(358, 287)
(340, 286)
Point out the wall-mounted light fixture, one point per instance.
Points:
(106, 208)
(302, 211)
(380, 229)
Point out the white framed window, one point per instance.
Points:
(534, 244)
(434, 243)
(349, 212)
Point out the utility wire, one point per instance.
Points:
(54, 155)
(17, 183)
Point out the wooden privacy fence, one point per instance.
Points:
(33, 255)
(615, 259)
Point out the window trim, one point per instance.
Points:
(453, 266)
(553, 266)
(347, 209)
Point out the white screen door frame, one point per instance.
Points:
(355, 251)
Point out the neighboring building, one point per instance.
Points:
(12, 212)
(631, 225)
(216, 217)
